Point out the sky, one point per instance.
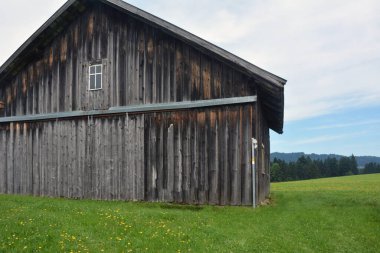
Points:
(328, 50)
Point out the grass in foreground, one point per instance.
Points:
(325, 215)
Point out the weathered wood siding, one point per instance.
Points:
(142, 65)
(262, 156)
(198, 156)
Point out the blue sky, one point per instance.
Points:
(328, 50)
(346, 132)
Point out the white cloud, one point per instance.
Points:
(326, 138)
(346, 125)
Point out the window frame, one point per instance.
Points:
(95, 74)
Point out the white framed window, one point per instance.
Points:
(95, 77)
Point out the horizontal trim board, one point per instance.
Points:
(185, 105)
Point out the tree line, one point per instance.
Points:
(306, 168)
(371, 168)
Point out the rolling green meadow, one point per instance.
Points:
(324, 215)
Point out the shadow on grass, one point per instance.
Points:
(181, 207)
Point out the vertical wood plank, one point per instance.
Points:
(149, 67)
(124, 159)
(170, 163)
(10, 157)
(129, 165)
(160, 158)
(195, 76)
(140, 85)
(29, 159)
(206, 77)
(186, 161)
(225, 175)
(178, 170)
(202, 150)
(88, 166)
(81, 157)
(179, 73)
(172, 67)
(3, 158)
(74, 158)
(114, 159)
(42, 159)
(141, 159)
(17, 161)
(194, 158)
(36, 160)
(152, 169)
(119, 157)
(213, 159)
(148, 165)
(166, 72)
(186, 87)
(246, 183)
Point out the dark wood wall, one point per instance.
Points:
(197, 156)
(262, 156)
(141, 65)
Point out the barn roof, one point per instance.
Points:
(271, 87)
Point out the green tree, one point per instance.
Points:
(354, 165)
(371, 168)
(276, 173)
(344, 166)
(314, 171)
(332, 168)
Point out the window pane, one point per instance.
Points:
(92, 69)
(98, 69)
(92, 82)
(98, 81)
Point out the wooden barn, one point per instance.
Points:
(106, 101)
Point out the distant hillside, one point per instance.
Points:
(292, 157)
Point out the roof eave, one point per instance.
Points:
(48, 23)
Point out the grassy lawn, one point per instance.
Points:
(325, 215)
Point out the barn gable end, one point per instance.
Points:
(173, 120)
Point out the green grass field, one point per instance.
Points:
(325, 215)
